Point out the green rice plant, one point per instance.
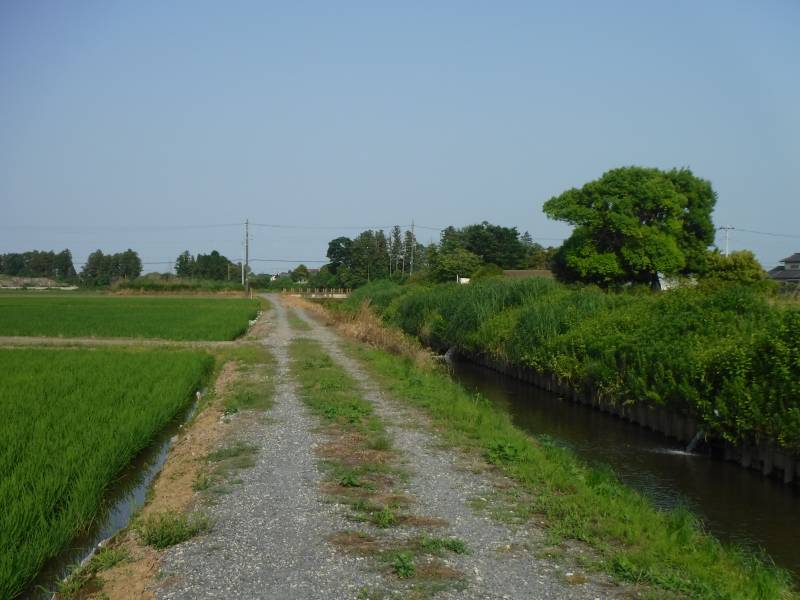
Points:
(173, 318)
(73, 419)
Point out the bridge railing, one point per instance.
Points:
(318, 292)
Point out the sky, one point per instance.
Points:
(163, 126)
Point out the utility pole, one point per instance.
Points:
(413, 244)
(246, 255)
(727, 229)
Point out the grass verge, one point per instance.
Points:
(636, 542)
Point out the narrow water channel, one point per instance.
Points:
(124, 497)
(736, 504)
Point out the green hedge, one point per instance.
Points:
(724, 355)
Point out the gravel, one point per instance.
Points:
(270, 534)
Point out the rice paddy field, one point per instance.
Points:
(74, 418)
(172, 318)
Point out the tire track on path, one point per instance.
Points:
(503, 563)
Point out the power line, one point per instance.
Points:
(327, 227)
(783, 235)
(288, 260)
(81, 228)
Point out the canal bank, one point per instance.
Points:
(737, 505)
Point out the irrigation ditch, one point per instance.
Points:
(764, 457)
(648, 452)
(121, 502)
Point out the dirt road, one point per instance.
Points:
(275, 533)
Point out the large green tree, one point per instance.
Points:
(632, 224)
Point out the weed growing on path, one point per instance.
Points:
(169, 528)
(296, 322)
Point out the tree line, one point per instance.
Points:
(633, 225)
(475, 250)
(99, 270)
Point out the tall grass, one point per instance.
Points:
(632, 540)
(72, 419)
(129, 316)
(727, 356)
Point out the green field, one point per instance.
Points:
(170, 318)
(72, 420)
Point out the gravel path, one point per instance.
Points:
(502, 563)
(270, 536)
(269, 540)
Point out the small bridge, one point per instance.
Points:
(334, 293)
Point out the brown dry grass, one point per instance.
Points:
(437, 570)
(356, 542)
(365, 326)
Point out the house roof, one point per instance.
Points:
(781, 274)
(792, 259)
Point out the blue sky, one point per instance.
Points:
(123, 122)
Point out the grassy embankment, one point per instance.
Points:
(73, 420)
(727, 356)
(134, 317)
(668, 550)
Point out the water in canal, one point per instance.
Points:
(736, 504)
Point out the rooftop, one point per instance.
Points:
(793, 258)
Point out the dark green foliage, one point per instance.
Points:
(632, 224)
(103, 269)
(38, 264)
(72, 420)
(207, 266)
(723, 354)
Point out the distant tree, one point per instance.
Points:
(395, 250)
(738, 267)
(128, 265)
(410, 251)
(495, 244)
(184, 264)
(340, 253)
(96, 270)
(13, 264)
(213, 266)
(63, 266)
(455, 262)
(632, 224)
(300, 274)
